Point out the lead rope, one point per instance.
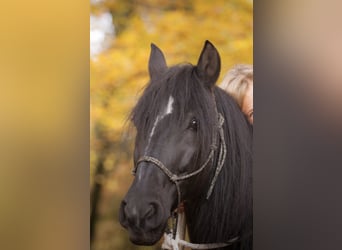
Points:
(173, 244)
(176, 242)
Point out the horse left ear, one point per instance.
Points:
(157, 63)
(209, 65)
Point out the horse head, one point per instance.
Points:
(175, 119)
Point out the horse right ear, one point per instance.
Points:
(209, 65)
(157, 63)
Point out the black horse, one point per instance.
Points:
(193, 145)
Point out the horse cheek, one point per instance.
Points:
(188, 150)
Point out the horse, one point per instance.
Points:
(193, 145)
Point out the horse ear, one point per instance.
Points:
(209, 65)
(157, 63)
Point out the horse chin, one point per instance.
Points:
(146, 238)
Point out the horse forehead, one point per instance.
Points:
(169, 107)
(167, 110)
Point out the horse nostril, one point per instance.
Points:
(150, 211)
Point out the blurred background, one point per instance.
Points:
(44, 111)
(121, 32)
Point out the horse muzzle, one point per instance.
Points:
(145, 221)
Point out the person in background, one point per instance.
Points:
(238, 82)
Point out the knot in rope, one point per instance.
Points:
(174, 178)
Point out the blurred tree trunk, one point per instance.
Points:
(95, 196)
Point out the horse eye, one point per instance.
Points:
(193, 124)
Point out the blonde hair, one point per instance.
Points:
(236, 81)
